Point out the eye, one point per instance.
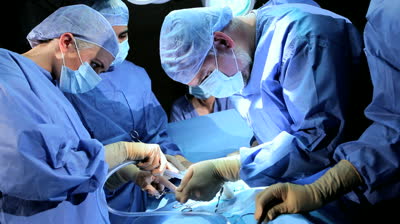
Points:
(205, 77)
(95, 65)
(123, 36)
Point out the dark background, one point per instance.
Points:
(144, 29)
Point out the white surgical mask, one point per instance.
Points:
(220, 85)
(122, 53)
(78, 81)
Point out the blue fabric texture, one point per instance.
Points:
(115, 11)
(52, 171)
(376, 155)
(82, 21)
(123, 108)
(297, 96)
(280, 2)
(182, 108)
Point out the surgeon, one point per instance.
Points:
(289, 69)
(52, 171)
(123, 108)
(370, 165)
(197, 103)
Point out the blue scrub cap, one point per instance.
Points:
(115, 11)
(187, 37)
(82, 21)
(280, 2)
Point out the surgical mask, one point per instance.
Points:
(122, 53)
(198, 93)
(220, 85)
(78, 81)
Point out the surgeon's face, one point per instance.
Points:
(121, 32)
(98, 58)
(226, 64)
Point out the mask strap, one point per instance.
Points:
(62, 56)
(79, 55)
(215, 56)
(237, 66)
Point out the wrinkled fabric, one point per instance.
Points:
(187, 36)
(182, 108)
(82, 21)
(376, 155)
(52, 171)
(297, 96)
(123, 108)
(115, 11)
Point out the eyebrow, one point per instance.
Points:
(124, 32)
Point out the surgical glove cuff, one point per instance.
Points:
(119, 152)
(115, 154)
(338, 180)
(228, 168)
(135, 150)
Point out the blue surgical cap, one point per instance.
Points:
(115, 11)
(280, 2)
(187, 35)
(82, 21)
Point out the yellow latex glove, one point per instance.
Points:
(153, 185)
(292, 198)
(150, 155)
(203, 180)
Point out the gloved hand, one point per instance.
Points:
(203, 180)
(180, 162)
(153, 185)
(150, 155)
(292, 198)
(235, 153)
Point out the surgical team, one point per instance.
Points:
(70, 113)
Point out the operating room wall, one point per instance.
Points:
(144, 28)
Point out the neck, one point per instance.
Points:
(42, 56)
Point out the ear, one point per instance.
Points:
(223, 41)
(66, 42)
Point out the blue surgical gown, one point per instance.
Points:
(376, 155)
(297, 96)
(182, 108)
(51, 170)
(124, 108)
